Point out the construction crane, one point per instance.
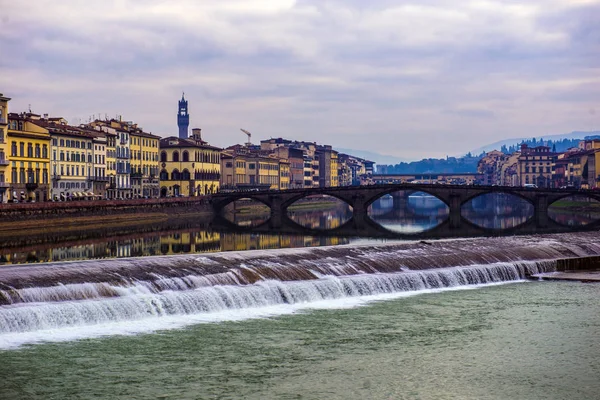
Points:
(249, 136)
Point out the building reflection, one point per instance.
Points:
(171, 243)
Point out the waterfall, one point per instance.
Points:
(52, 301)
(84, 304)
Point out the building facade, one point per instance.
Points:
(4, 150)
(29, 158)
(71, 162)
(188, 167)
(144, 164)
(535, 166)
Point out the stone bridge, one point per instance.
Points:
(361, 197)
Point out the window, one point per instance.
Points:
(175, 156)
(37, 151)
(186, 157)
(228, 165)
(22, 149)
(185, 175)
(175, 175)
(45, 151)
(14, 149)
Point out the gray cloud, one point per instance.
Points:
(407, 78)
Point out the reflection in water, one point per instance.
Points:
(575, 211)
(320, 212)
(408, 212)
(247, 213)
(179, 242)
(497, 211)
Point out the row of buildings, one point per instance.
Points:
(45, 158)
(578, 167)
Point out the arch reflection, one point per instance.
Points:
(406, 211)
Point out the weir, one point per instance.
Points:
(74, 295)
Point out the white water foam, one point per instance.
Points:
(139, 310)
(11, 341)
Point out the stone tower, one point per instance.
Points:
(183, 118)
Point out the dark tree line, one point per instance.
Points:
(556, 146)
(438, 165)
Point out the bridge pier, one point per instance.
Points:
(359, 212)
(277, 211)
(455, 217)
(540, 210)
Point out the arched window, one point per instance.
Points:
(164, 175)
(186, 156)
(175, 175)
(185, 175)
(163, 156)
(175, 156)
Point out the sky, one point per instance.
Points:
(411, 79)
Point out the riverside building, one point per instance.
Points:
(29, 158)
(71, 162)
(4, 149)
(144, 164)
(188, 167)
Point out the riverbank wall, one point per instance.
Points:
(174, 206)
(578, 264)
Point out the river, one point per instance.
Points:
(298, 318)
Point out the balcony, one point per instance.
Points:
(98, 179)
(31, 186)
(3, 120)
(4, 185)
(56, 177)
(4, 162)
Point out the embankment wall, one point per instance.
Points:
(21, 211)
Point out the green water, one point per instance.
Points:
(536, 340)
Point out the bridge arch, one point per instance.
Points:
(583, 194)
(219, 206)
(289, 201)
(516, 193)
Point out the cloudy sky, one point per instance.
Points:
(411, 79)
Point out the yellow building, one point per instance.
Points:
(244, 169)
(334, 179)
(284, 174)
(4, 149)
(188, 167)
(144, 164)
(29, 159)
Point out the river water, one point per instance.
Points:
(534, 340)
(300, 318)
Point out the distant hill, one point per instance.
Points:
(512, 142)
(371, 156)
